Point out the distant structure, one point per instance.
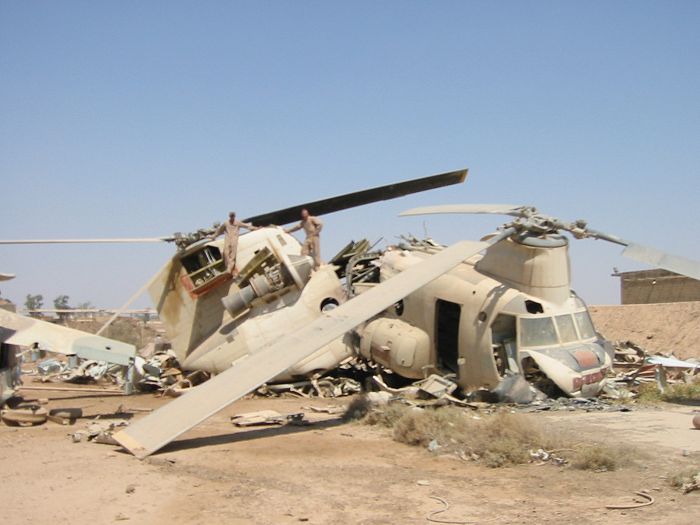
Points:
(656, 286)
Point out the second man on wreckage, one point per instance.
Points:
(232, 229)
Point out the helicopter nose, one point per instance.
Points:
(578, 371)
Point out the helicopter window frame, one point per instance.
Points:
(524, 333)
(588, 325)
(584, 331)
(572, 326)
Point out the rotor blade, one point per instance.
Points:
(6, 276)
(87, 241)
(359, 198)
(650, 255)
(128, 303)
(162, 426)
(660, 259)
(496, 209)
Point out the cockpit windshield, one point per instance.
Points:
(567, 330)
(552, 331)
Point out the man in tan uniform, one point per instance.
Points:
(232, 229)
(312, 227)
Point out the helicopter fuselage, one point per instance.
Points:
(510, 311)
(481, 329)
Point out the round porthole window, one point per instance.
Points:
(328, 304)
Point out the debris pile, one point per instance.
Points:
(268, 417)
(634, 367)
(316, 387)
(159, 370)
(99, 431)
(79, 371)
(89, 371)
(155, 369)
(541, 456)
(82, 371)
(693, 484)
(571, 404)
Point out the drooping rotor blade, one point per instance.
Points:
(660, 259)
(646, 254)
(127, 304)
(6, 276)
(495, 209)
(359, 198)
(162, 426)
(88, 241)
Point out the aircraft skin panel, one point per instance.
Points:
(165, 424)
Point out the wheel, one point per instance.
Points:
(24, 417)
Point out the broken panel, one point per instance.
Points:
(205, 269)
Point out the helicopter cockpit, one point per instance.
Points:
(557, 330)
(566, 348)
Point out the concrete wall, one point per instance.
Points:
(663, 327)
(657, 286)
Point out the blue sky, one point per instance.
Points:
(144, 118)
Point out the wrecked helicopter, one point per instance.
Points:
(482, 312)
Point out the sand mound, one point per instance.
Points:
(663, 327)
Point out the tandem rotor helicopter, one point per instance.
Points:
(481, 311)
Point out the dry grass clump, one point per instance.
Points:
(683, 477)
(682, 392)
(388, 416)
(497, 440)
(599, 458)
(363, 409)
(675, 393)
(357, 409)
(648, 393)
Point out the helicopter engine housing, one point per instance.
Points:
(537, 266)
(393, 343)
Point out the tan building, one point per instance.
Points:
(657, 286)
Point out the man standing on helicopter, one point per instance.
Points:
(232, 229)
(312, 227)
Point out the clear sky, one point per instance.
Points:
(141, 118)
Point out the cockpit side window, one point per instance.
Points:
(585, 325)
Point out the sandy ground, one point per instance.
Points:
(671, 327)
(330, 472)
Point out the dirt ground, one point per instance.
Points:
(331, 472)
(670, 327)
